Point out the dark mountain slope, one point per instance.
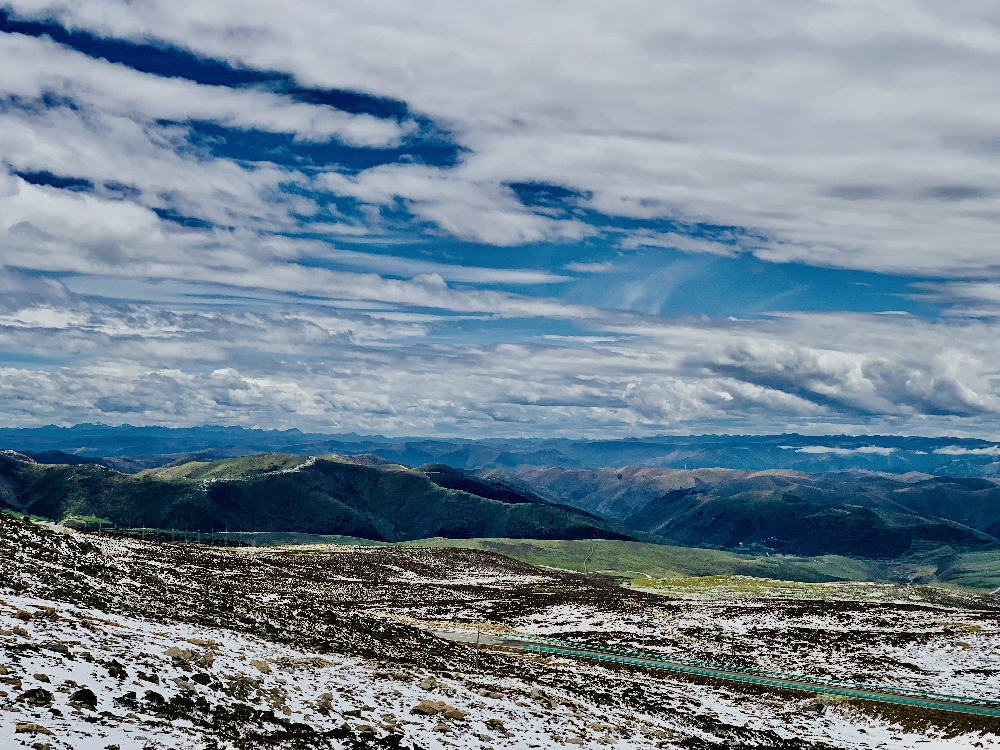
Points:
(281, 492)
(848, 513)
(493, 487)
(786, 523)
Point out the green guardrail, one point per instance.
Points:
(766, 674)
(773, 682)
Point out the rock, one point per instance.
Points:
(324, 704)
(23, 615)
(494, 724)
(84, 697)
(32, 728)
(453, 713)
(574, 740)
(20, 631)
(116, 669)
(536, 694)
(41, 677)
(202, 642)
(181, 657)
(442, 727)
(36, 697)
(206, 660)
(430, 708)
(261, 666)
(4, 670)
(366, 729)
(353, 712)
(183, 684)
(428, 684)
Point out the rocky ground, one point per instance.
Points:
(109, 643)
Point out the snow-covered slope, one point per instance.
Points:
(108, 643)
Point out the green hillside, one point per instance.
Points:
(231, 468)
(641, 561)
(286, 493)
(844, 513)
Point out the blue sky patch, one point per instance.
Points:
(78, 184)
(283, 149)
(191, 222)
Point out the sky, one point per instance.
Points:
(494, 219)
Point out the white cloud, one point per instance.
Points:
(589, 267)
(394, 372)
(847, 135)
(839, 135)
(820, 449)
(46, 68)
(954, 450)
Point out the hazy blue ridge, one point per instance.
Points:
(814, 454)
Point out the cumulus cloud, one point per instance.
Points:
(821, 449)
(48, 69)
(188, 279)
(397, 372)
(955, 450)
(844, 135)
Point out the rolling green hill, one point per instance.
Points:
(286, 493)
(844, 513)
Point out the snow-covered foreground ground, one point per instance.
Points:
(106, 643)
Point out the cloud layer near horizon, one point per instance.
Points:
(491, 234)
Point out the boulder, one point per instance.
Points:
(84, 697)
(432, 708)
(261, 666)
(31, 728)
(37, 697)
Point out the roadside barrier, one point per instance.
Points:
(887, 694)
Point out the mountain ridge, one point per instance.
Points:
(132, 449)
(283, 492)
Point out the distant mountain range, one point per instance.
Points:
(851, 513)
(133, 449)
(873, 497)
(846, 513)
(366, 498)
